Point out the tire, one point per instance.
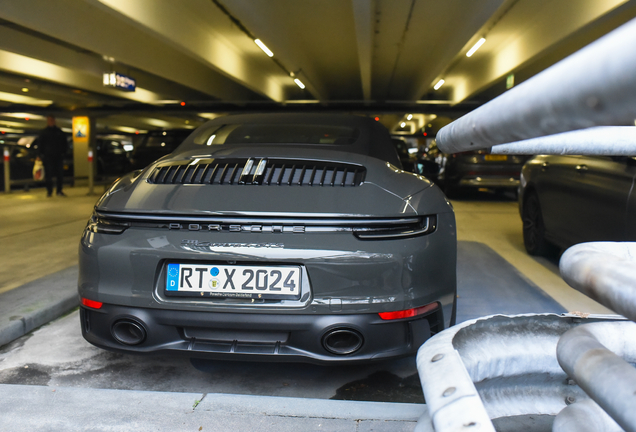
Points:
(533, 227)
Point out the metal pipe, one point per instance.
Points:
(451, 397)
(495, 367)
(608, 379)
(584, 416)
(605, 272)
(596, 86)
(598, 141)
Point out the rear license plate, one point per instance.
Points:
(495, 158)
(238, 281)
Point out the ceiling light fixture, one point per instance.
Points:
(402, 124)
(439, 84)
(25, 90)
(23, 99)
(475, 47)
(262, 46)
(409, 117)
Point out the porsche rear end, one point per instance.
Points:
(321, 259)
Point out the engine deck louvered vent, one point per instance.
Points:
(259, 172)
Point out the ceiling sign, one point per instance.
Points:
(119, 81)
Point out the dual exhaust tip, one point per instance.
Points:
(339, 341)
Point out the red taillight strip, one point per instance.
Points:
(408, 313)
(91, 303)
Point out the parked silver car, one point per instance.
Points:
(271, 237)
(565, 200)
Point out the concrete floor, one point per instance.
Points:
(39, 235)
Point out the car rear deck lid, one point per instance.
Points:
(259, 171)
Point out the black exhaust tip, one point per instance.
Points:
(342, 341)
(128, 332)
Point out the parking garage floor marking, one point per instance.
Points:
(487, 284)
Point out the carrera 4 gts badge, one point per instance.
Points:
(207, 244)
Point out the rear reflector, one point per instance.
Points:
(408, 313)
(91, 303)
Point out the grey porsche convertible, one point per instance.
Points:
(271, 237)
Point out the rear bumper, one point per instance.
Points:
(262, 337)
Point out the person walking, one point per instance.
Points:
(52, 146)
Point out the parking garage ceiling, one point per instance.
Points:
(194, 59)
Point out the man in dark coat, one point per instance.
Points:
(52, 146)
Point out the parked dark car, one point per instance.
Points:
(112, 157)
(406, 159)
(21, 161)
(480, 169)
(277, 237)
(565, 200)
(430, 162)
(156, 144)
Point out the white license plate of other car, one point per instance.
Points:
(239, 281)
(495, 158)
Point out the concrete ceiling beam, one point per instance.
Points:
(190, 27)
(363, 13)
(93, 27)
(524, 34)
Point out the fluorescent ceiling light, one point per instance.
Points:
(10, 124)
(23, 115)
(475, 47)
(21, 99)
(299, 83)
(209, 116)
(262, 46)
(125, 129)
(166, 102)
(302, 101)
(439, 84)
